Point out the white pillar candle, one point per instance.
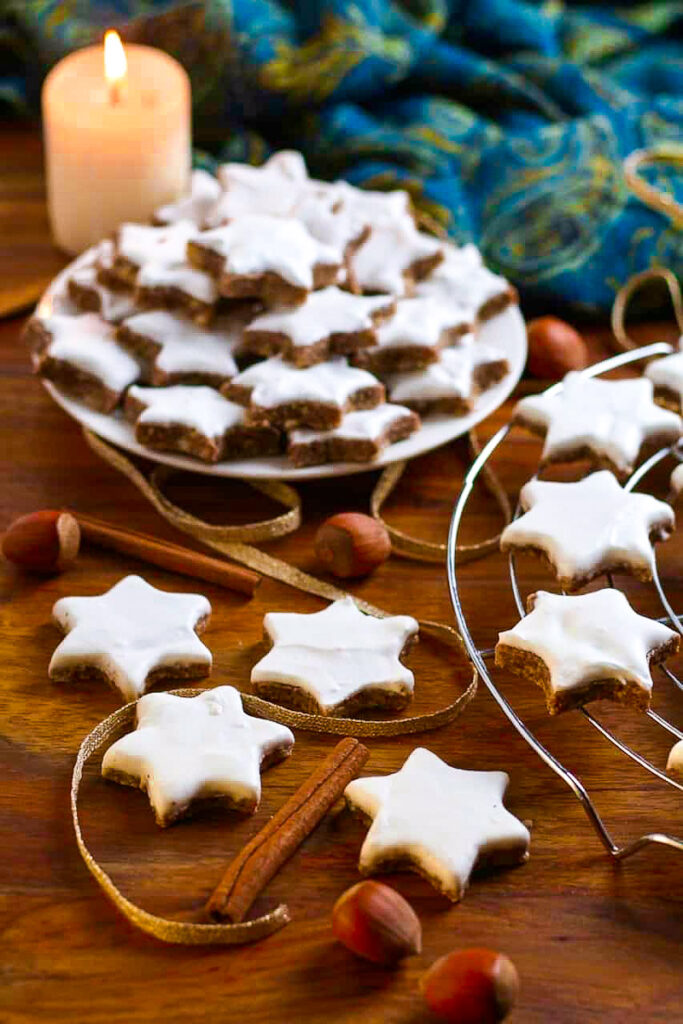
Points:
(116, 148)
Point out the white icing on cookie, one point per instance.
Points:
(190, 748)
(183, 277)
(273, 188)
(383, 263)
(130, 631)
(461, 277)
(185, 347)
(442, 820)
(610, 418)
(325, 312)
(205, 191)
(370, 207)
(668, 372)
(328, 219)
(166, 246)
(336, 653)
(452, 376)
(583, 526)
(258, 243)
(114, 305)
(275, 382)
(674, 764)
(87, 342)
(421, 322)
(589, 637)
(198, 407)
(360, 425)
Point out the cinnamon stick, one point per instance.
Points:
(265, 854)
(168, 556)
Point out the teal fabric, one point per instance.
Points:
(507, 120)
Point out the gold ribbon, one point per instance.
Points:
(626, 293)
(656, 199)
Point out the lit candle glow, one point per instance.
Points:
(115, 64)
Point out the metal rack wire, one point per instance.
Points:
(480, 657)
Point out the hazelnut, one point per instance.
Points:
(554, 348)
(471, 986)
(44, 542)
(352, 544)
(376, 923)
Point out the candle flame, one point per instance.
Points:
(115, 63)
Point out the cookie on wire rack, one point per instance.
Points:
(666, 375)
(605, 421)
(585, 529)
(586, 647)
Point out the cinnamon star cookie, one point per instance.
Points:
(667, 376)
(360, 437)
(335, 661)
(392, 258)
(196, 206)
(132, 636)
(588, 528)
(584, 648)
(439, 821)
(606, 421)
(189, 749)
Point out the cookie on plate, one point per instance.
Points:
(360, 437)
(196, 206)
(89, 295)
(187, 751)
(316, 397)
(274, 259)
(392, 259)
(439, 821)
(584, 648)
(132, 637)
(414, 336)
(585, 529)
(79, 355)
(605, 421)
(273, 188)
(328, 322)
(175, 350)
(451, 383)
(197, 421)
(335, 661)
(462, 277)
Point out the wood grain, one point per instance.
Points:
(592, 941)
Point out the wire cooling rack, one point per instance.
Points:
(483, 658)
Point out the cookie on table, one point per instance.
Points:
(392, 258)
(189, 751)
(666, 375)
(586, 647)
(336, 661)
(585, 529)
(413, 337)
(205, 191)
(438, 821)
(274, 259)
(462, 277)
(451, 383)
(328, 322)
(316, 397)
(131, 637)
(175, 350)
(273, 188)
(80, 355)
(360, 437)
(197, 421)
(89, 295)
(605, 421)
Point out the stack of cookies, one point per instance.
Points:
(268, 311)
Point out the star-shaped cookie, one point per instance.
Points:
(439, 821)
(186, 749)
(587, 528)
(336, 660)
(586, 647)
(132, 636)
(667, 376)
(196, 206)
(607, 421)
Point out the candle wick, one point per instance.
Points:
(114, 93)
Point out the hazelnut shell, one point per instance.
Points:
(471, 986)
(42, 542)
(555, 348)
(376, 923)
(351, 544)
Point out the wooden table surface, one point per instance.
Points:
(593, 941)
